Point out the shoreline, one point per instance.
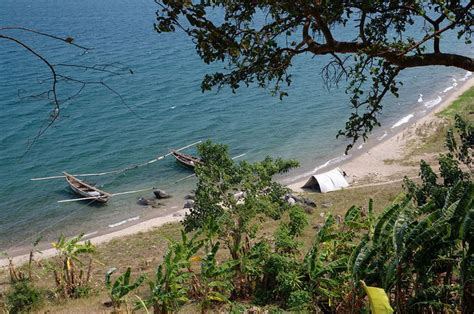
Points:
(372, 153)
(392, 147)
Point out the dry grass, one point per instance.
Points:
(427, 140)
(144, 251)
(432, 135)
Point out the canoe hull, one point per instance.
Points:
(86, 190)
(186, 160)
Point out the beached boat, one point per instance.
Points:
(185, 159)
(86, 190)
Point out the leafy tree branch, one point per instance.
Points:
(259, 41)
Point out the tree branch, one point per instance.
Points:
(68, 40)
(446, 59)
(56, 77)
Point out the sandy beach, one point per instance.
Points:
(370, 166)
(375, 154)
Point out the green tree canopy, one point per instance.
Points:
(260, 40)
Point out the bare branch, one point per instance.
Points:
(57, 77)
(68, 40)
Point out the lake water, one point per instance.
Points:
(164, 109)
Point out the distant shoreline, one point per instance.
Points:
(367, 164)
(373, 154)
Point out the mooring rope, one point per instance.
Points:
(37, 234)
(119, 170)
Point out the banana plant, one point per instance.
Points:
(325, 265)
(416, 252)
(121, 287)
(72, 275)
(172, 283)
(215, 281)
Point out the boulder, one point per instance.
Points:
(190, 197)
(296, 198)
(189, 204)
(291, 201)
(143, 201)
(239, 195)
(300, 199)
(161, 194)
(309, 202)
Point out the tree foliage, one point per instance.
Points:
(232, 197)
(419, 249)
(259, 41)
(460, 144)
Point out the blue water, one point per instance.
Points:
(164, 109)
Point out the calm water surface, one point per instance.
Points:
(97, 132)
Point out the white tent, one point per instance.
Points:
(326, 182)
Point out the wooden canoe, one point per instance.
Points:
(86, 190)
(185, 159)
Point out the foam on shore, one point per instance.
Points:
(403, 120)
(434, 102)
(124, 222)
(466, 76)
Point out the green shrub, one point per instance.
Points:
(121, 287)
(23, 296)
(299, 300)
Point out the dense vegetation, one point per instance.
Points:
(419, 249)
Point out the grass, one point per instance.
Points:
(430, 137)
(463, 105)
(144, 251)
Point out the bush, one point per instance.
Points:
(23, 297)
(299, 300)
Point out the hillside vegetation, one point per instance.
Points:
(249, 245)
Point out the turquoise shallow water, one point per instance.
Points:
(96, 132)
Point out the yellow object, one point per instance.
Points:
(379, 303)
(195, 258)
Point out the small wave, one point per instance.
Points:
(383, 136)
(403, 120)
(420, 98)
(124, 221)
(173, 107)
(89, 234)
(466, 76)
(447, 89)
(360, 146)
(331, 161)
(310, 173)
(434, 102)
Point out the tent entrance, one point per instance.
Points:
(326, 182)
